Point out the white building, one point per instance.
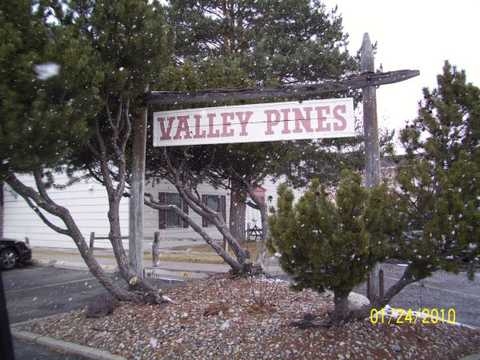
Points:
(87, 202)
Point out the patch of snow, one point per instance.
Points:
(47, 70)
(166, 298)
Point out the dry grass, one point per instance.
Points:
(192, 258)
(202, 253)
(251, 246)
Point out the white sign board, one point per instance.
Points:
(328, 118)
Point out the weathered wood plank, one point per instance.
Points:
(366, 79)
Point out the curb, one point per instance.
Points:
(60, 264)
(471, 357)
(70, 348)
(172, 275)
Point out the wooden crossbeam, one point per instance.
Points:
(288, 91)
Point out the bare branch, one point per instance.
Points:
(44, 218)
(71, 182)
(101, 142)
(217, 247)
(41, 186)
(128, 126)
(406, 279)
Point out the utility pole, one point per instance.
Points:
(137, 190)
(372, 150)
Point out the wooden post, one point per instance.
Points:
(92, 242)
(156, 249)
(370, 123)
(370, 128)
(368, 287)
(1, 209)
(139, 133)
(381, 284)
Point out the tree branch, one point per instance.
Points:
(44, 218)
(218, 249)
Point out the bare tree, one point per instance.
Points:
(186, 184)
(39, 200)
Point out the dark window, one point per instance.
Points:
(216, 203)
(170, 218)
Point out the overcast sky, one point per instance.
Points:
(418, 34)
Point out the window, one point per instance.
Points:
(170, 218)
(214, 202)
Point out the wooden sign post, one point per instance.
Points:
(368, 80)
(137, 190)
(372, 151)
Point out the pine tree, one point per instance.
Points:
(105, 54)
(44, 116)
(333, 244)
(440, 179)
(239, 44)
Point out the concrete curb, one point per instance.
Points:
(67, 347)
(471, 357)
(60, 264)
(30, 321)
(169, 274)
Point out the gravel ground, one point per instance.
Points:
(221, 318)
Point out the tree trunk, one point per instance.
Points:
(149, 292)
(262, 207)
(237, 211)
(72, 230)
(187, 192)
(235, 265)
(341, 311)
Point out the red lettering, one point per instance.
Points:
(226, 124)
(306, 121)
(166, 133)
(270, 121)
(244, 118)
(182, 126)
(286, 120)
(341, 123)
(322, 111)
(199, 132)
(211, 123)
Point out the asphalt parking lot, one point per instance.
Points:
(34, 292)
(441, 291)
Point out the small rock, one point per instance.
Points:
(101, 306)
(396, 348)
(153, 342)
(225, 325)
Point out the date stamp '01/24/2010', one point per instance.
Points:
(400, 316)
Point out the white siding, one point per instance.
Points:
(87, 202)
(151, 220)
